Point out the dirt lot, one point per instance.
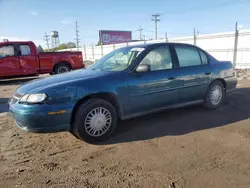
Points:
(187, 148)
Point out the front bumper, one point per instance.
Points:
(41, 120)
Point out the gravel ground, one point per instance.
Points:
(184, 148)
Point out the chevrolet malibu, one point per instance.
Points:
(126, 83)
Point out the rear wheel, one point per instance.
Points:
(61, 68)
(215, 95)
(95, 120)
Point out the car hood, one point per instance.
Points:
(66, 78)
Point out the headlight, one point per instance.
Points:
(33, 98)
(24, 98)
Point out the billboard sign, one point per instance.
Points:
(114, 37)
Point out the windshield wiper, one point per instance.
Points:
(108, 68)
(96, 69)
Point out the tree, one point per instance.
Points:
(99, 43)
(63, 46)
(71, 45)
(40, 48)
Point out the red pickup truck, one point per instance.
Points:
(22, 58)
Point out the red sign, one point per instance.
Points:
(115, 37)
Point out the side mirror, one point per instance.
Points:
(143, 68)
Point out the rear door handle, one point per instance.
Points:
(171, 78)
(207, 73)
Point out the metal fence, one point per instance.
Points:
(229, 46)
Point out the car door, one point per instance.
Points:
(194, 72)
(9, 63)
(157, 88)
(28, 60)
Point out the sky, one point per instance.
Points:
(31, 19)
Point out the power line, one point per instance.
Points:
(156, 20)
(148, 30)
(77, 37)
(46, 39)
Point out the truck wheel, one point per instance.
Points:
(95, 120)
(215, 95)
(61, 68)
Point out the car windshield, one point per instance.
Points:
(118, 60)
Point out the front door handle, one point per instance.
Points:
(171, 78)
(207, 73)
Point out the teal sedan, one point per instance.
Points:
(126, 83)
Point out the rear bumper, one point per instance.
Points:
(231, 84)
(41, 121)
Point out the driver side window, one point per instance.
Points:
(158, 59)
(6, 51)
(118, 59)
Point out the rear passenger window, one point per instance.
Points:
(203, 58)
(188, 56)
(25, 49)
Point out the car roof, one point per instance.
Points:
(156, 44)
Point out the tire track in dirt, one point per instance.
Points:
(64, 151)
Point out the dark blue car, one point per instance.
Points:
(126, 83)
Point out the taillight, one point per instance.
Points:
(81, 59)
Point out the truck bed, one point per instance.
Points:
(48, 60)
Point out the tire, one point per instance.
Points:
(85, 121)
(209, 102)
(61, 68)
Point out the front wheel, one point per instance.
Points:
(95, 120)
(215, 95)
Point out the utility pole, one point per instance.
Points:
(140, 30)
(235, 44)
(195, 37)
(156, 19)
(166, 36)
(77, 37)
(46, 39)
